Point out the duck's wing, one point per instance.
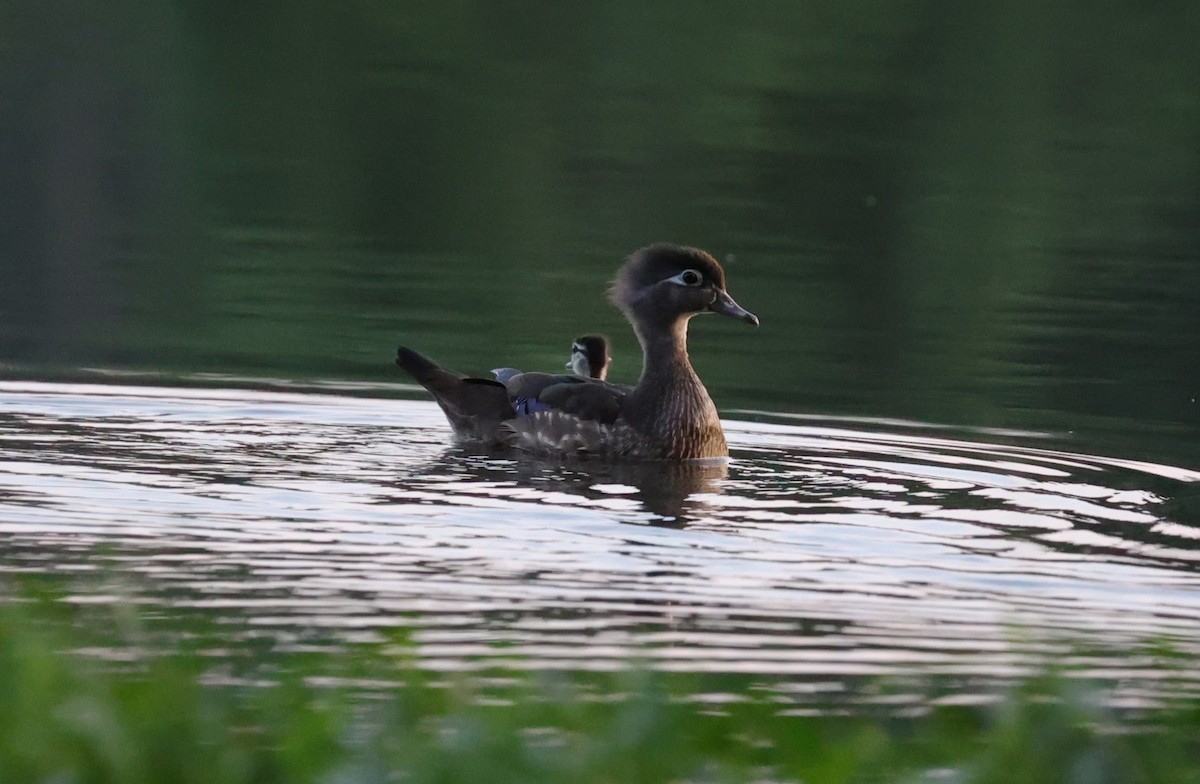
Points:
(585, 398)
(474, 406)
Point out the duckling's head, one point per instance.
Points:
(662, 284)
(590, 357)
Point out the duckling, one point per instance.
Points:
(590, 357)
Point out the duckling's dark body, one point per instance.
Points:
(667, 415)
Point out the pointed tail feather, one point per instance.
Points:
(426, 372)
(474, 406)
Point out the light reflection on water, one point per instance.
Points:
(821, 551)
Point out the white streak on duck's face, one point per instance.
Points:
(689, 277)
(578, 363)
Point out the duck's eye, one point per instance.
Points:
(691, 278)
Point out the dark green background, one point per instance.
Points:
(984, 214)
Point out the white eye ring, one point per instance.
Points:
(688, 277)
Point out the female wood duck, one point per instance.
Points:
(668, 414)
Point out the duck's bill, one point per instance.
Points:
(725, 305)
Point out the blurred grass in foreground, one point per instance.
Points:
(83, 698)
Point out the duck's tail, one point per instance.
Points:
(426, 372)
(474, 406)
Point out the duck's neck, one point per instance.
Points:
(665, 360)
(670, 402)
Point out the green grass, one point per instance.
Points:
(374, 715)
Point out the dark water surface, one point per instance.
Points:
(985, 218)
(824, 552)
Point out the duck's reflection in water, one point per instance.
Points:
(667, 493)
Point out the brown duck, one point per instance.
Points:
(667, 415)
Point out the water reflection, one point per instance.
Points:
(823, 552)
(667, 493)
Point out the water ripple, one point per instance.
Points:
(824, 551)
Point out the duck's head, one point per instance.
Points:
(590, 357)
(663, 284)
